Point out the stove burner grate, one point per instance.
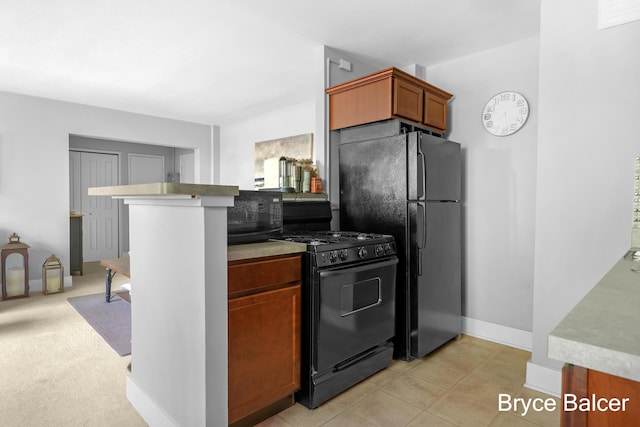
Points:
(342, 236)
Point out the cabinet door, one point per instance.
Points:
(407, 100)
(264, 349)
(435, 111)
(582, 384)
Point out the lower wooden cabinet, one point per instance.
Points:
(595, 399)
(264, 335)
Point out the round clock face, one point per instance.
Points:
(505, 113)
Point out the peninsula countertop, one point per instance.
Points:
(263, 249)
(164, 189)
(602, 332)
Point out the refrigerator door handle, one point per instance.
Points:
(422, 174)
(421, 239)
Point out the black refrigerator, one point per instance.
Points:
(400, 180)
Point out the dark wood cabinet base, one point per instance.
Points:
(264, 336)
(595, 399)
(265, 413)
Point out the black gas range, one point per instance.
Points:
(331, 248)
(348, 310)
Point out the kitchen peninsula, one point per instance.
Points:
(178, 251)
(600, 342)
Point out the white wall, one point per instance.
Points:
(34, 163)
(239, 134)
(498, 183)
(237, 138)
(587, 142)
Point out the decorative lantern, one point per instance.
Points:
(52, 276)
(15, 268)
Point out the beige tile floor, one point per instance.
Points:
(457, 385)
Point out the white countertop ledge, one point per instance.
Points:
(602, 332)
(165, 189)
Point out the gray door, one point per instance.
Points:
(100, 234)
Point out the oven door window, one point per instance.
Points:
(355, 307)
(360, 296)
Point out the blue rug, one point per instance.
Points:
(111, 320)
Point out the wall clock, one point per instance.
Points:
(505, 113)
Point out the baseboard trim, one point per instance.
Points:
(541, 378)
(497, 333)
(147, 409)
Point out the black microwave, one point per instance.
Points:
(254, 217)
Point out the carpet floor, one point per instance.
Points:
(111, 320)
(55, 370)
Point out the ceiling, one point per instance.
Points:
(207, 61)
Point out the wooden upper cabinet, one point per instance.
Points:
(435, 111)
(360, 103)
(387, 94)
(407, 100)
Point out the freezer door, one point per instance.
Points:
(435, 271)
(437, 165)
(373, 186)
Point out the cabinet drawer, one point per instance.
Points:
(246, 277)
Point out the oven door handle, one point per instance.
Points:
(329, 272)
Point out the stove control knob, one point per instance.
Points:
(344, 254)
(379, 250)
(387, 247)
(333, 256)
(362, 252)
